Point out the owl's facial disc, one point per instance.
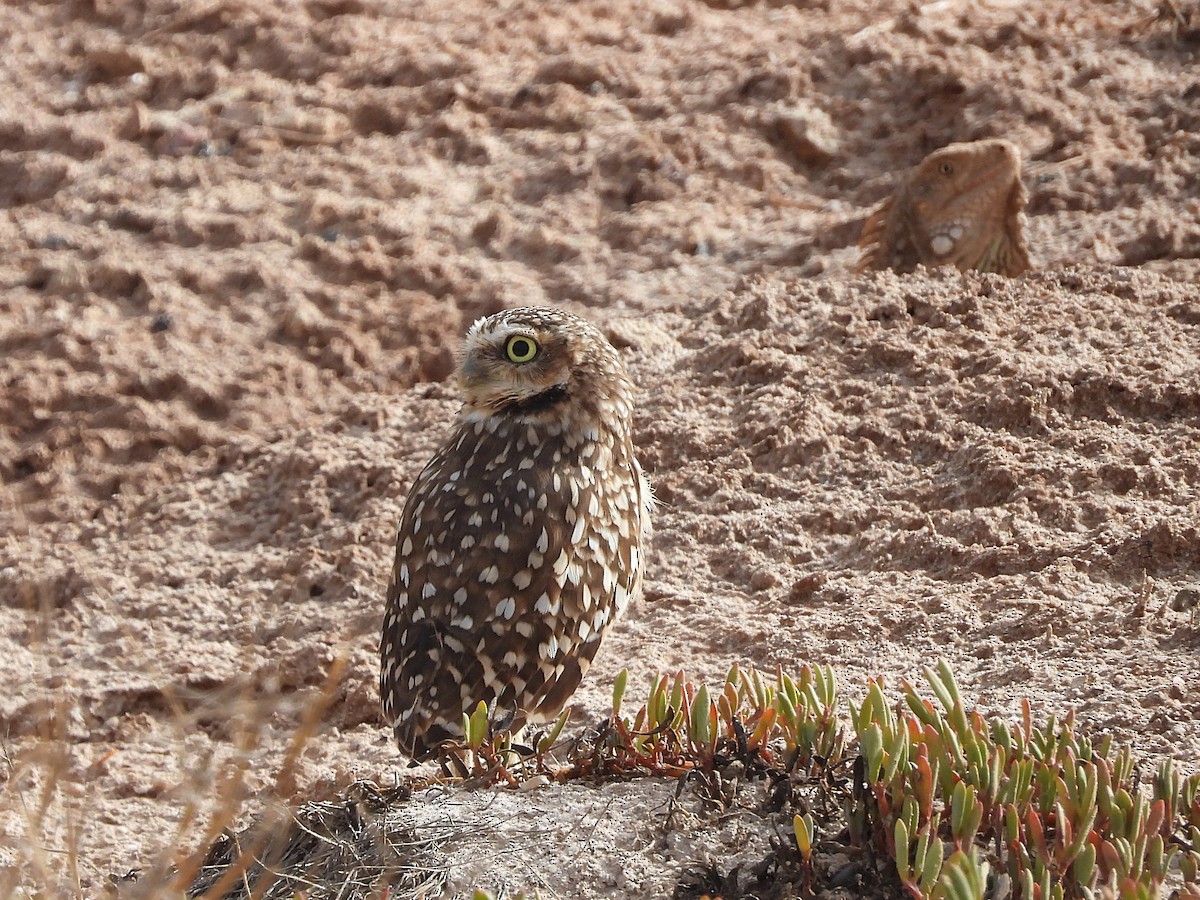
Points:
(516, 370)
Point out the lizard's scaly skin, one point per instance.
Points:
(962, 206)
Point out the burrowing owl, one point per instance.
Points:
(521, 541)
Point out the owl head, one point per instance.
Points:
(533, 364)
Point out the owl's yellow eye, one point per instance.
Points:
(521, 349)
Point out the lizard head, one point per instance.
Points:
(965, 202)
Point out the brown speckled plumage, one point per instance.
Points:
(962, 206)
(520, 543)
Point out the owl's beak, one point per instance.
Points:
(471, 374)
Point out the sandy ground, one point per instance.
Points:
(243, 238)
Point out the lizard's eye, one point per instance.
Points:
(946, 168)
(521, 349)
